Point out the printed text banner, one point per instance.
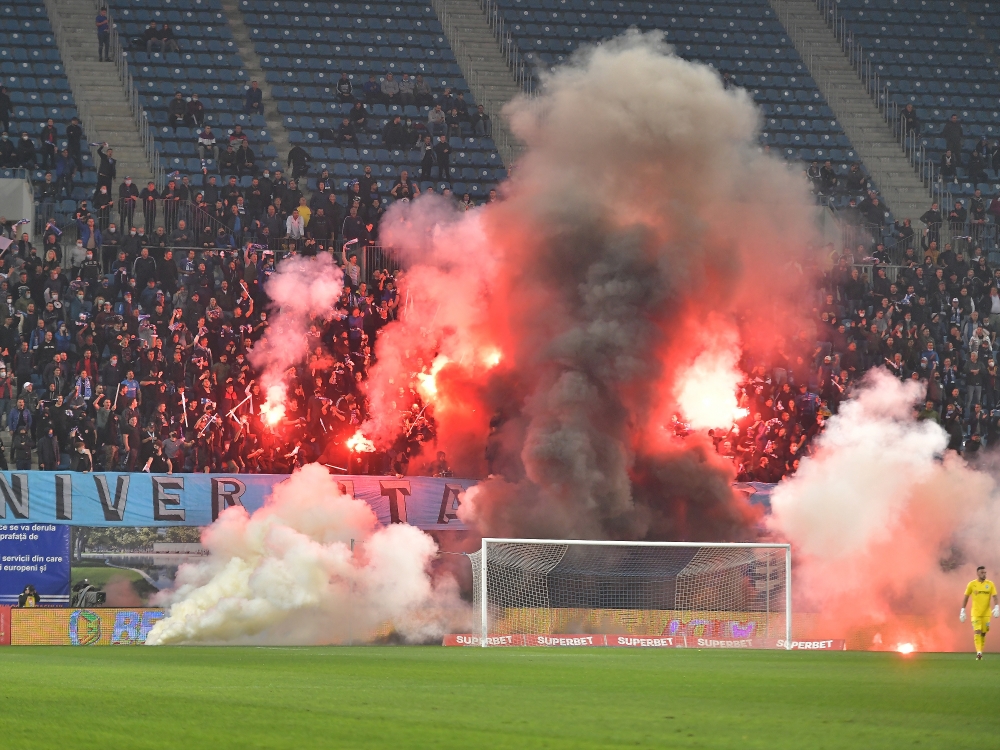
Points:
(110, 499)
(36, 554)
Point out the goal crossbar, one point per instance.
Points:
(484, 578)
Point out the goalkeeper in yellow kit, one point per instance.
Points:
(981, 592)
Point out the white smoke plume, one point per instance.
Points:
(887, 528)
(287, 575)
(301, 290)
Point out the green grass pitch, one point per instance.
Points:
(432, 697)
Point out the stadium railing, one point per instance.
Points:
(519, 67)
(466, 54)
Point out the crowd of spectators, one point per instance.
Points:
(124, 336)
(126, 347)
(143, 365)
(933, 320)
(961, 160)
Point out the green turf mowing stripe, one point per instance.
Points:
(399, 697)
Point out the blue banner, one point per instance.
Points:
(109, 499)
(36, 554)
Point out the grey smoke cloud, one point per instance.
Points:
(639, 225)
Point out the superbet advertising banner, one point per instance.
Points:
(592, 640)
(82, 627)
(139, 499)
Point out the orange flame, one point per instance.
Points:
(706, 390)
(360, 444)
(492, 357)
(428, 381)
(272, 410)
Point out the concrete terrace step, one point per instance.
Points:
(252, 66)
(96, 85)
(478, 55)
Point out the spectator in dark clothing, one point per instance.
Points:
(974, 376)
(957, 218)
(358, 116)
(227, 161)
(828, 178)
(8, 154)
(194, 116)
(481, 124)
(6, 109)
(354, 228)
(128, 197)
(345, 91)
(21, 447)
(422, 94)
(48, 137)
(177, 111)
(103, 24)
(74, 134)
(372, 90)
(253, 102)
(932, 220)
(319, 227)
(153, 37)
(952, 134)
(909, 121)
(394, 134)
(25, 152)
(442, 156)
(48, 451)
(346, 133)
(298, 160)
(246, 161)
(107, 171)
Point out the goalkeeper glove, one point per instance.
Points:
(961, 615)
(996, 611)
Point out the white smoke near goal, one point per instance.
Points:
(288, 575)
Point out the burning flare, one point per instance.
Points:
(272, 410)
(706, 390)
(428, 381)
(492, 357)
(360, 444)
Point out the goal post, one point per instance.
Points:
(732, 591)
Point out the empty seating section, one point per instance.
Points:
(984, 16)
(928, 56)
(742, 38)
(33, 74)
(305, 46)
(206, 63)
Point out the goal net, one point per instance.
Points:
(730, 593)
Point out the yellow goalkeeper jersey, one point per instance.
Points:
(981, 592)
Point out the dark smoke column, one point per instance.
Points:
(641, 223)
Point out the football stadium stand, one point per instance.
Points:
(744, 40)
(35, 79)
(305, 47)
(928, 55)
